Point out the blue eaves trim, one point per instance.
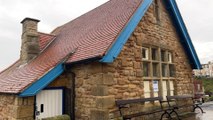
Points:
(187, 40)
(127, 31)
(43, 82)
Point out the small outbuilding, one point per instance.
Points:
(122, 49)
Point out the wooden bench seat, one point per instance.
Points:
(123, 104)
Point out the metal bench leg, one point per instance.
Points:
(165, 112)
(199, 108)
(173, 111)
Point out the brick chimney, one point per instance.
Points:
(30, 42)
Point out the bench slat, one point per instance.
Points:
(140, 100)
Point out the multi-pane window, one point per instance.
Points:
(158, 71)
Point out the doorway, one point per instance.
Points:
(49, 103)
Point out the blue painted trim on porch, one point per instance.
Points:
(127, 31)
(43, 82)
(187, 40)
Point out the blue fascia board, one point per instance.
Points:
(43, 81)
(116, 48)
(187, 40)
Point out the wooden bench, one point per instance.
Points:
(126, 104)
(186, 100)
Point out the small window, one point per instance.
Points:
(145, 53)
(171, 87)
(163, 55)
(169, 57)
(147, 92)
(164, 87)
(155, 87)
(155, 69)
(146, 69)
(154, 54)
(164, 70)
(171, 70)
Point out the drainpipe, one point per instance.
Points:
(73, 96)
(71, 76)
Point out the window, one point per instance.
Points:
(169, 57)
(171, 70)
(164, 70)
(164, 87)
(163, 55)
(168, 88)
(155, 88)
(154, 54)
(155, 69)
(147, 92)
(145, 53)
(146, 69)
(171, 88)
(158, 72)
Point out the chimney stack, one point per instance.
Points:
(30, 41)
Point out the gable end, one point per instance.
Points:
(116, 48)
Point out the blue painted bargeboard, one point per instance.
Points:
(187, 40)
(43, 82)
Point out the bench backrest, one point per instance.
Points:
(139, 100)
(176, 97)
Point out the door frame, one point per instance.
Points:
(51, 88)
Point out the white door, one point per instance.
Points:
(49, 103)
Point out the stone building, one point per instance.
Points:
(122, 49)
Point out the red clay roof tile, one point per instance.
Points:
(45, 39)
(92, 34)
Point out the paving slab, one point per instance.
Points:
(208, 115)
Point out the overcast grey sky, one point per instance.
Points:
(52, 13)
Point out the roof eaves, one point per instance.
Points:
(43, 81)
(116, 48)
(183, 31)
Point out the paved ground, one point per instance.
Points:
(208, 115)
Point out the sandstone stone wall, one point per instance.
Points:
(15, 108)
(98, 85)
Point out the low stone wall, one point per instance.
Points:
(14, 108)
